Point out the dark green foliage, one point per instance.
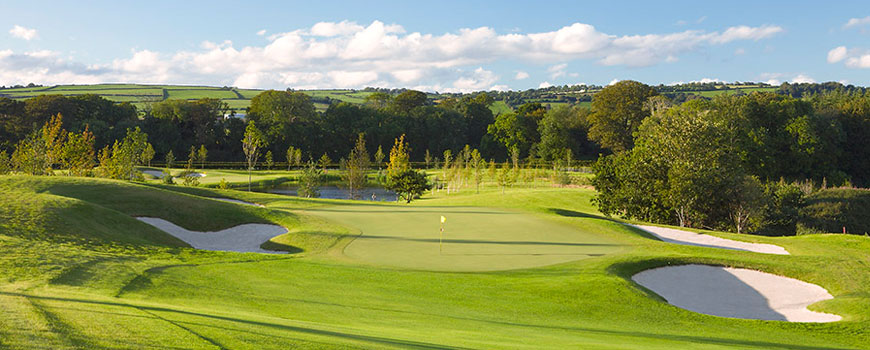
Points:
(408, 184)
(782, 209)
(830, 210)
(617, 111)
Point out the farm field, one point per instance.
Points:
(142, 94)
(78, 271)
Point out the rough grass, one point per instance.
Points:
(120, 294)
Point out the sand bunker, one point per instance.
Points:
(737, 293)
(159, 174)
(242, 238)
(671, 235)
(156, 173)
(237, 202)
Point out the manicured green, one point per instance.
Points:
(476, 239)
(106, 280)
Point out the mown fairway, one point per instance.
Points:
(78, 272)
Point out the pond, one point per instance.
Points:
(378, 194)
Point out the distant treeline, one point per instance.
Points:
(823, 123)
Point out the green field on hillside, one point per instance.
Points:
(77, 271)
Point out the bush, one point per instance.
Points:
(832, 209)
(223, 184)
(189, 178)
(167, 177)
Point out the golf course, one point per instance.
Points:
(530, 268)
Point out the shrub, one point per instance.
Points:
(223, 184)
(167, 177)
(189, 178)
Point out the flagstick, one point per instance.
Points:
(441, 241)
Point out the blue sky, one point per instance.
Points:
(435, 46)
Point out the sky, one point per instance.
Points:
(445, 46)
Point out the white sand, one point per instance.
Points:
(737, 293)
(156, 173)
(159, 173)
(671, 235)
(237, 201)
(242, 238)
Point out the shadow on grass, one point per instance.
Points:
(422, 345)
(475, 241)
(405, 344)
(577, 214)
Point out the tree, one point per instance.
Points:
(404, 102)
(324, 161)
(399, 158)
(291, 157)
(617, 112)
(201, 155)
(283, 116)
(191, 158)
(120, 161)
(747, 203)
(78, 153)
(506, 177)
(169, 159)
(53, 135)
(427, 158)
(29, 156)
(478, 165)
(408, 184)
(148, 154)
(251, 145)
(356, 168)
(5, 163)
(563, 128)
(309, 181)
(269, 160)
(379, 156)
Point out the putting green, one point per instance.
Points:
(475, 239)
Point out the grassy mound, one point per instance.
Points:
(831, 210)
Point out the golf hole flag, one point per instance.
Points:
(443, 219)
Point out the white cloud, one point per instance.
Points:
(329, 29)
(778, 78)
(740, 51)
(544, 85)
(855, 22)
(746, 33)
(348, 54)
(23, 33)
(261, 32)
(801, 78)
(479, 80)
(837, 54)
(614, 81)
(852, 58)
(557, 71)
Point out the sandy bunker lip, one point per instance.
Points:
(672, 235)
(737, 293)
(237, 201)
(159, 174)
(245, 238)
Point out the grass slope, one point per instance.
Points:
(117, 293)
